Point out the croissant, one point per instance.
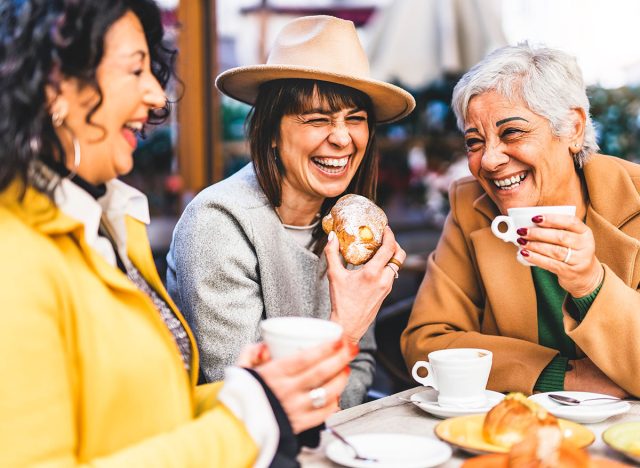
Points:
(358, 224)
(507, 423)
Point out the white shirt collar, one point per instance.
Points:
(119, 201)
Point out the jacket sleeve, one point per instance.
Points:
(449, 313)
(608, 335)
(213, 276)
(40, 399)
(362, 372)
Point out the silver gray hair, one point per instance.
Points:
(549, 81)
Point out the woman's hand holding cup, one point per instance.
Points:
(553, 238)
(309, 383)
(565, 246)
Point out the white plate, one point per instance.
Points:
(391, 450)
(586, 413)
(428, 401)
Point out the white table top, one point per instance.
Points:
(393, 415)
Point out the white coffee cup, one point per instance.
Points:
(288, 335)
(521, 218)
(459, 375)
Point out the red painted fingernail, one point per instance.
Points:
(521, 241)
(537, 219)
(524, 253)
(522, 231)
(347, 371)
(354, 348)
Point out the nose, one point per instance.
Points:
(339, 135)
(493, 158)
(153, 95)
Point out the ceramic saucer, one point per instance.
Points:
(588, 412)
(428, 401)
(624, 438)
(465, 432)
(390, 450)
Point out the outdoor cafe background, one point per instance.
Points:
(422, 45)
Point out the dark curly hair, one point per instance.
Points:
(44, 41)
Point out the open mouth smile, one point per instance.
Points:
(510, 183)
(131, 130)
(331, 165)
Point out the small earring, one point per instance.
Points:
(77, 155)
(57, 119)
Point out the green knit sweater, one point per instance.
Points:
(550, 297)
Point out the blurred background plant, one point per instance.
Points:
(616, 115)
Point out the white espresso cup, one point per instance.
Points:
(288, 335)
(521, 218)
(459, 375)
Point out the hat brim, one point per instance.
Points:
(390, 102)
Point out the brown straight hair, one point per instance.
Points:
(278, 98)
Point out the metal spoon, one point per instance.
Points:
(356, 454)
(569, 401)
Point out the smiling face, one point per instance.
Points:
(321, 150)
(129, 91)
(514, 155)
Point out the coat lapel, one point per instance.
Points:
(139, 252)
(508, 284)
(614, 202)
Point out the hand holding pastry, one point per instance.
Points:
(356, 295)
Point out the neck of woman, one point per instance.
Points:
(574, 192)
(297, 210)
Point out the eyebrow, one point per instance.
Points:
(141, 53)
(509, 119)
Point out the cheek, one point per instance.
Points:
(474, 162)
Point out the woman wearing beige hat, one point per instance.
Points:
(251, 247)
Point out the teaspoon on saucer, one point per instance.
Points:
(569, 401)
(357, 455)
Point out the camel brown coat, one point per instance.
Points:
(475, 293)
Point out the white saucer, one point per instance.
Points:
(586, 413)
(391, 451)
(428, 401)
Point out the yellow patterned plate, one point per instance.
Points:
(465, 432)
(624, 438)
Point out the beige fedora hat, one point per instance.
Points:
(318, 48)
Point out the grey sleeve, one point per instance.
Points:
(362, 372)
(213, 276)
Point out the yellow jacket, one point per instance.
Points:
(475, 294)
(89, 373)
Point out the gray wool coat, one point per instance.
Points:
(232, 264)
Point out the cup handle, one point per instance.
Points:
(510, 234)
(429, 380)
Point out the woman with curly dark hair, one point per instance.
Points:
(98, 365)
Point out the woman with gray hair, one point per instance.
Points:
(570, 321)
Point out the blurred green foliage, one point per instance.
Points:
(616, 116)
(234, 114)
